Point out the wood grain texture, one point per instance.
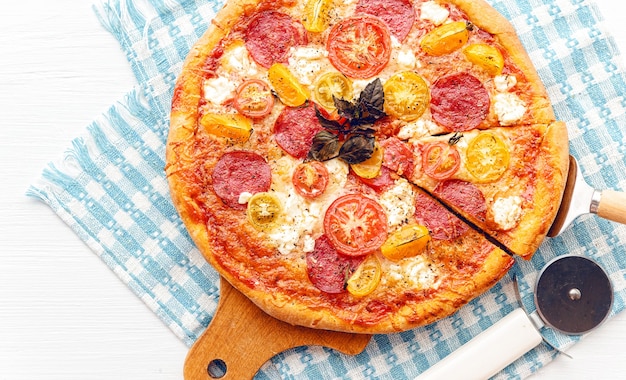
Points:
(63, 314)
(613, 206)
(242, 338)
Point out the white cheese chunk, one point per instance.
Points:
(237, 60)
(416, 129)
(217, 90)
(504, 83)
(434, 13)
(244, 198)
(305, 62)
(406, 59)
(509, 108)
(507, 211)
(309, 244)
(413, 272)
(398, 203)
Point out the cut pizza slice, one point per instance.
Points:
(506, 181)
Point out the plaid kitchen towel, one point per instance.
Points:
(111, 190)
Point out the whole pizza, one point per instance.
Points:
(365, 166)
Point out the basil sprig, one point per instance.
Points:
(351, 138)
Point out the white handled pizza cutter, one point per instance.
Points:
(579, 198)
(573, 295)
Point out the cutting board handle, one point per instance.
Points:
(490, 351)
(612, 206)
(241, 338)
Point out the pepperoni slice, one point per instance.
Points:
(240, 171)
(399, 15)
(270, 35)
(328, 269)
(459, 102)
(398, 157)
(465, 195)
(295, 129)
(442, 224)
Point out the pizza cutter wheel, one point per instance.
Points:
(573, 295)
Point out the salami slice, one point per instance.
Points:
(270, 35)
(464, 195)
(328, 269)
(443, 225)
(399, 15)
(295, 129)
(240, 171)
(459, 102)
(398, 157)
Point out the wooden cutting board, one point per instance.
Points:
(241, 338)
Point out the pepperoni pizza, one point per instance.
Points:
(366, 166)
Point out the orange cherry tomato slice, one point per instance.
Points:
(355, 224)
(254, 98)
(310, 179)
(359, 46)
(440, 160)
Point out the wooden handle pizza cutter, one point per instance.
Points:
(579, 198)
(241, 338)
(573, 295)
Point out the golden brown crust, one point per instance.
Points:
(212, 225)
(551, 177)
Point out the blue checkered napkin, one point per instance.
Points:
(110, 188)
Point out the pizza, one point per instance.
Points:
(365, 166)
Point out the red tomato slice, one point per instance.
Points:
(310, 179)
(356, 225)
(254, 98)
(440, 160)
(359, 46)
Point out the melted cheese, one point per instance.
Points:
(218, 90)
(508, 107)
(398, 203)
(417, 129)
(504, 83)
(302, 217)
(414, 272)
(507, 212)
(434, 13)
(307, 62)
(237, 60)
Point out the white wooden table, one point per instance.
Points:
(63, 314)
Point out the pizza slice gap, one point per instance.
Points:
(506, 182)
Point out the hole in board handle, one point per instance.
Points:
(216, 369)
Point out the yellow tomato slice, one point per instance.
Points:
(264, 210)
(408, 241)
(316, 13)
(446, 38)
(332, 84)
(366, 277)
(287, 86)
(406, 96)
(487, 157)
(234, 126)
(485, 56)
(370, 168)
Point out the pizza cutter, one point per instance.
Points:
(573, 295)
